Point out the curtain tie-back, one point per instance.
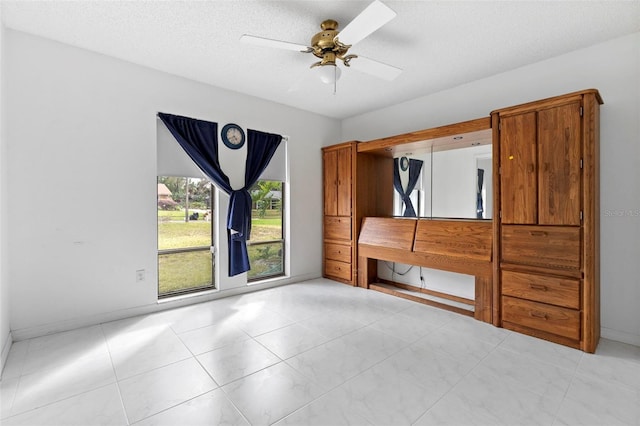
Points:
(409, 210)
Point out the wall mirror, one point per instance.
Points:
(449, 177)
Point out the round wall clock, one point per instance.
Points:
(232, 136)
(404, 164)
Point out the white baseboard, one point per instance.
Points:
(46, 329)
(620, 336)
(6, 347)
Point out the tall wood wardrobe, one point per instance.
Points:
(354, 186)
(546, 226)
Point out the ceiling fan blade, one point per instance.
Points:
(375, 68)
(369, 20)
(278, 44)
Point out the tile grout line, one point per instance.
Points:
(163, 366)
(13, 398)
(18, 377)
(115, 376)
(58, 401)
(38, 372)
(195, 357)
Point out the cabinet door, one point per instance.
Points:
(559, 156)
(330, 171)
(344, 182)
(518, 164)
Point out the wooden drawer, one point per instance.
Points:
(337, 252)
(337, 228)
(552, 319)
(337, 269)
(541, 288)
(547, 246)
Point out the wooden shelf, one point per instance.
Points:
(426, 297)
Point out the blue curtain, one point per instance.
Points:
(415, 166)
(260, 149)
(479, 204)
(199, 139)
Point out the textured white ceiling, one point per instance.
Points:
(439, 44)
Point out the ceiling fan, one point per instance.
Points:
(331, 45)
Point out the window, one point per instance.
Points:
(185, 235)
(185, 264)
(266, 246)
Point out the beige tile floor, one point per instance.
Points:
(314, 353)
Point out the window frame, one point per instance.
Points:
(281, 240)
(209, 249)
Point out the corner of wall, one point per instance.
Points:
(6, 348)
(5, 330)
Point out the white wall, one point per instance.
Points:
(5, 307)
(612, 68)
(81, 155)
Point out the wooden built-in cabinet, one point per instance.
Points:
(538, 273)
(540, 155)
(338, 167)
(546, 225)
(353, 187)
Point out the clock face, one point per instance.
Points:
(404, 164)
(232, 136)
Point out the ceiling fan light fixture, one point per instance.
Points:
(329, 73)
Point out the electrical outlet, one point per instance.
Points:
(140, 275)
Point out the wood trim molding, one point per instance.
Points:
(548, 102)
(386, 146)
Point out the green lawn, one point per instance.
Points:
(184, 271)
(184, 234)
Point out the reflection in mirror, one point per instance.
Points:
(455, 180)
(484, 202)
(407, 183)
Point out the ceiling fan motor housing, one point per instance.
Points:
(325, 45)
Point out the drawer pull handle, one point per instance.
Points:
(536, 314)
(538, 287)
(538, 233)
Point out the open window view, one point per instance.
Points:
(266, 246)
(185, 235)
